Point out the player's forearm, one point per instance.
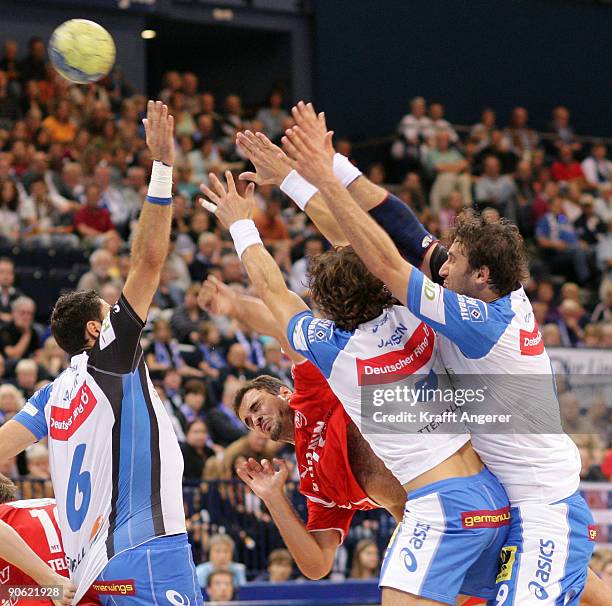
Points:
(256, 315)
(16, 551)
(369, 240)
(150, 246)
(305, 551)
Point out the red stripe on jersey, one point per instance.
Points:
(65, 421)
(532, 343)
(396, 365)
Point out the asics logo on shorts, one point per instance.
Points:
(177, 599)
(536, 586)
(417, 540)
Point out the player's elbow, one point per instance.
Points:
(315, 571)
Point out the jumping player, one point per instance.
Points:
(444, 480)
(116, 465)
(486, 327)
(31, 551)
(339, 473)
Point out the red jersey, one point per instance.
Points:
(326, 479)
(35, 521)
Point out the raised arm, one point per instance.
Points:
(314, 161)
(235, 213)
(273, 168)
(150, 246)
(218, 298)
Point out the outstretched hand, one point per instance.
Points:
(309, 145)
(270, 161)
(265, 480)
(217, 298)
(227, 204)
(159, 130)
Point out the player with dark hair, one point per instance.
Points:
(116, 465)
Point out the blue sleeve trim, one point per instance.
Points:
(32, 415)
(404, 228)
(159, 201)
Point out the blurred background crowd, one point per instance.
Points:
(74, 171)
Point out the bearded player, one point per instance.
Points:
(116, 465)
(487, 332)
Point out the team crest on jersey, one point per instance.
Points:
(64, 422)
(320, 330)
(469, 309)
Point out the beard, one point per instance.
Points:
(275, 432)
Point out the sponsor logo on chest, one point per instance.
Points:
(531, 343)
(64, 422)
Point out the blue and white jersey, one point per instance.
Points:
(487, 341)
(395, 345)
(115, 462)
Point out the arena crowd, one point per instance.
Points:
(74, 170)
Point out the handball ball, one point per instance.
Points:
(82, 51)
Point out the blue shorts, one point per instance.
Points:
(160, 571)
(545, 558)
(449, 540)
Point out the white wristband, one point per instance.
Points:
(344, 171)
(298, 189)
(245, 234)
(160, 185)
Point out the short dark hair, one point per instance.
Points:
(8, 490)
(344, 290)
(70, 316)
(264, 382)
(216, 573)
(195, 386)
(496, 244)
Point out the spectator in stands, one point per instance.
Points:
(496, 190)
(34, 66)
(92, 220)
(18, 338)
(573, 421)
(438, 123)
(589, 471)
(220, 586)
(275, 365)
(562, 128)
(59, 124)
(298, 279)
(450, 169)
(190, 91)
(603, 310)
(185, 124)
(9, 107)
(51, 357)
(37, 457)
(220, 557)
(167, 296)
(8, 292)
(196, 449)
(280, 567)
(11, 402)
(271, 226)
(481, 133)
(366, 560)
(414, 129)
(9, 215)
(232, 117)
(231, 269)
(9, 63)
(26, 377)
(100, 263)
(163, 353)
(604, 254)
(273, 116)
(606, 335)
(204, 159)
(566, 169)
(194, 398)
(571, 322)
(603, 202)
(209, 356)
(559, 242)
(589, 227)
(172, 83)
(522, 139)
(206, 256)
(597, 169)
(224, 425)
(188, 317)
(551, 335)
(111, 198)
(238, 365)
(71, 184)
